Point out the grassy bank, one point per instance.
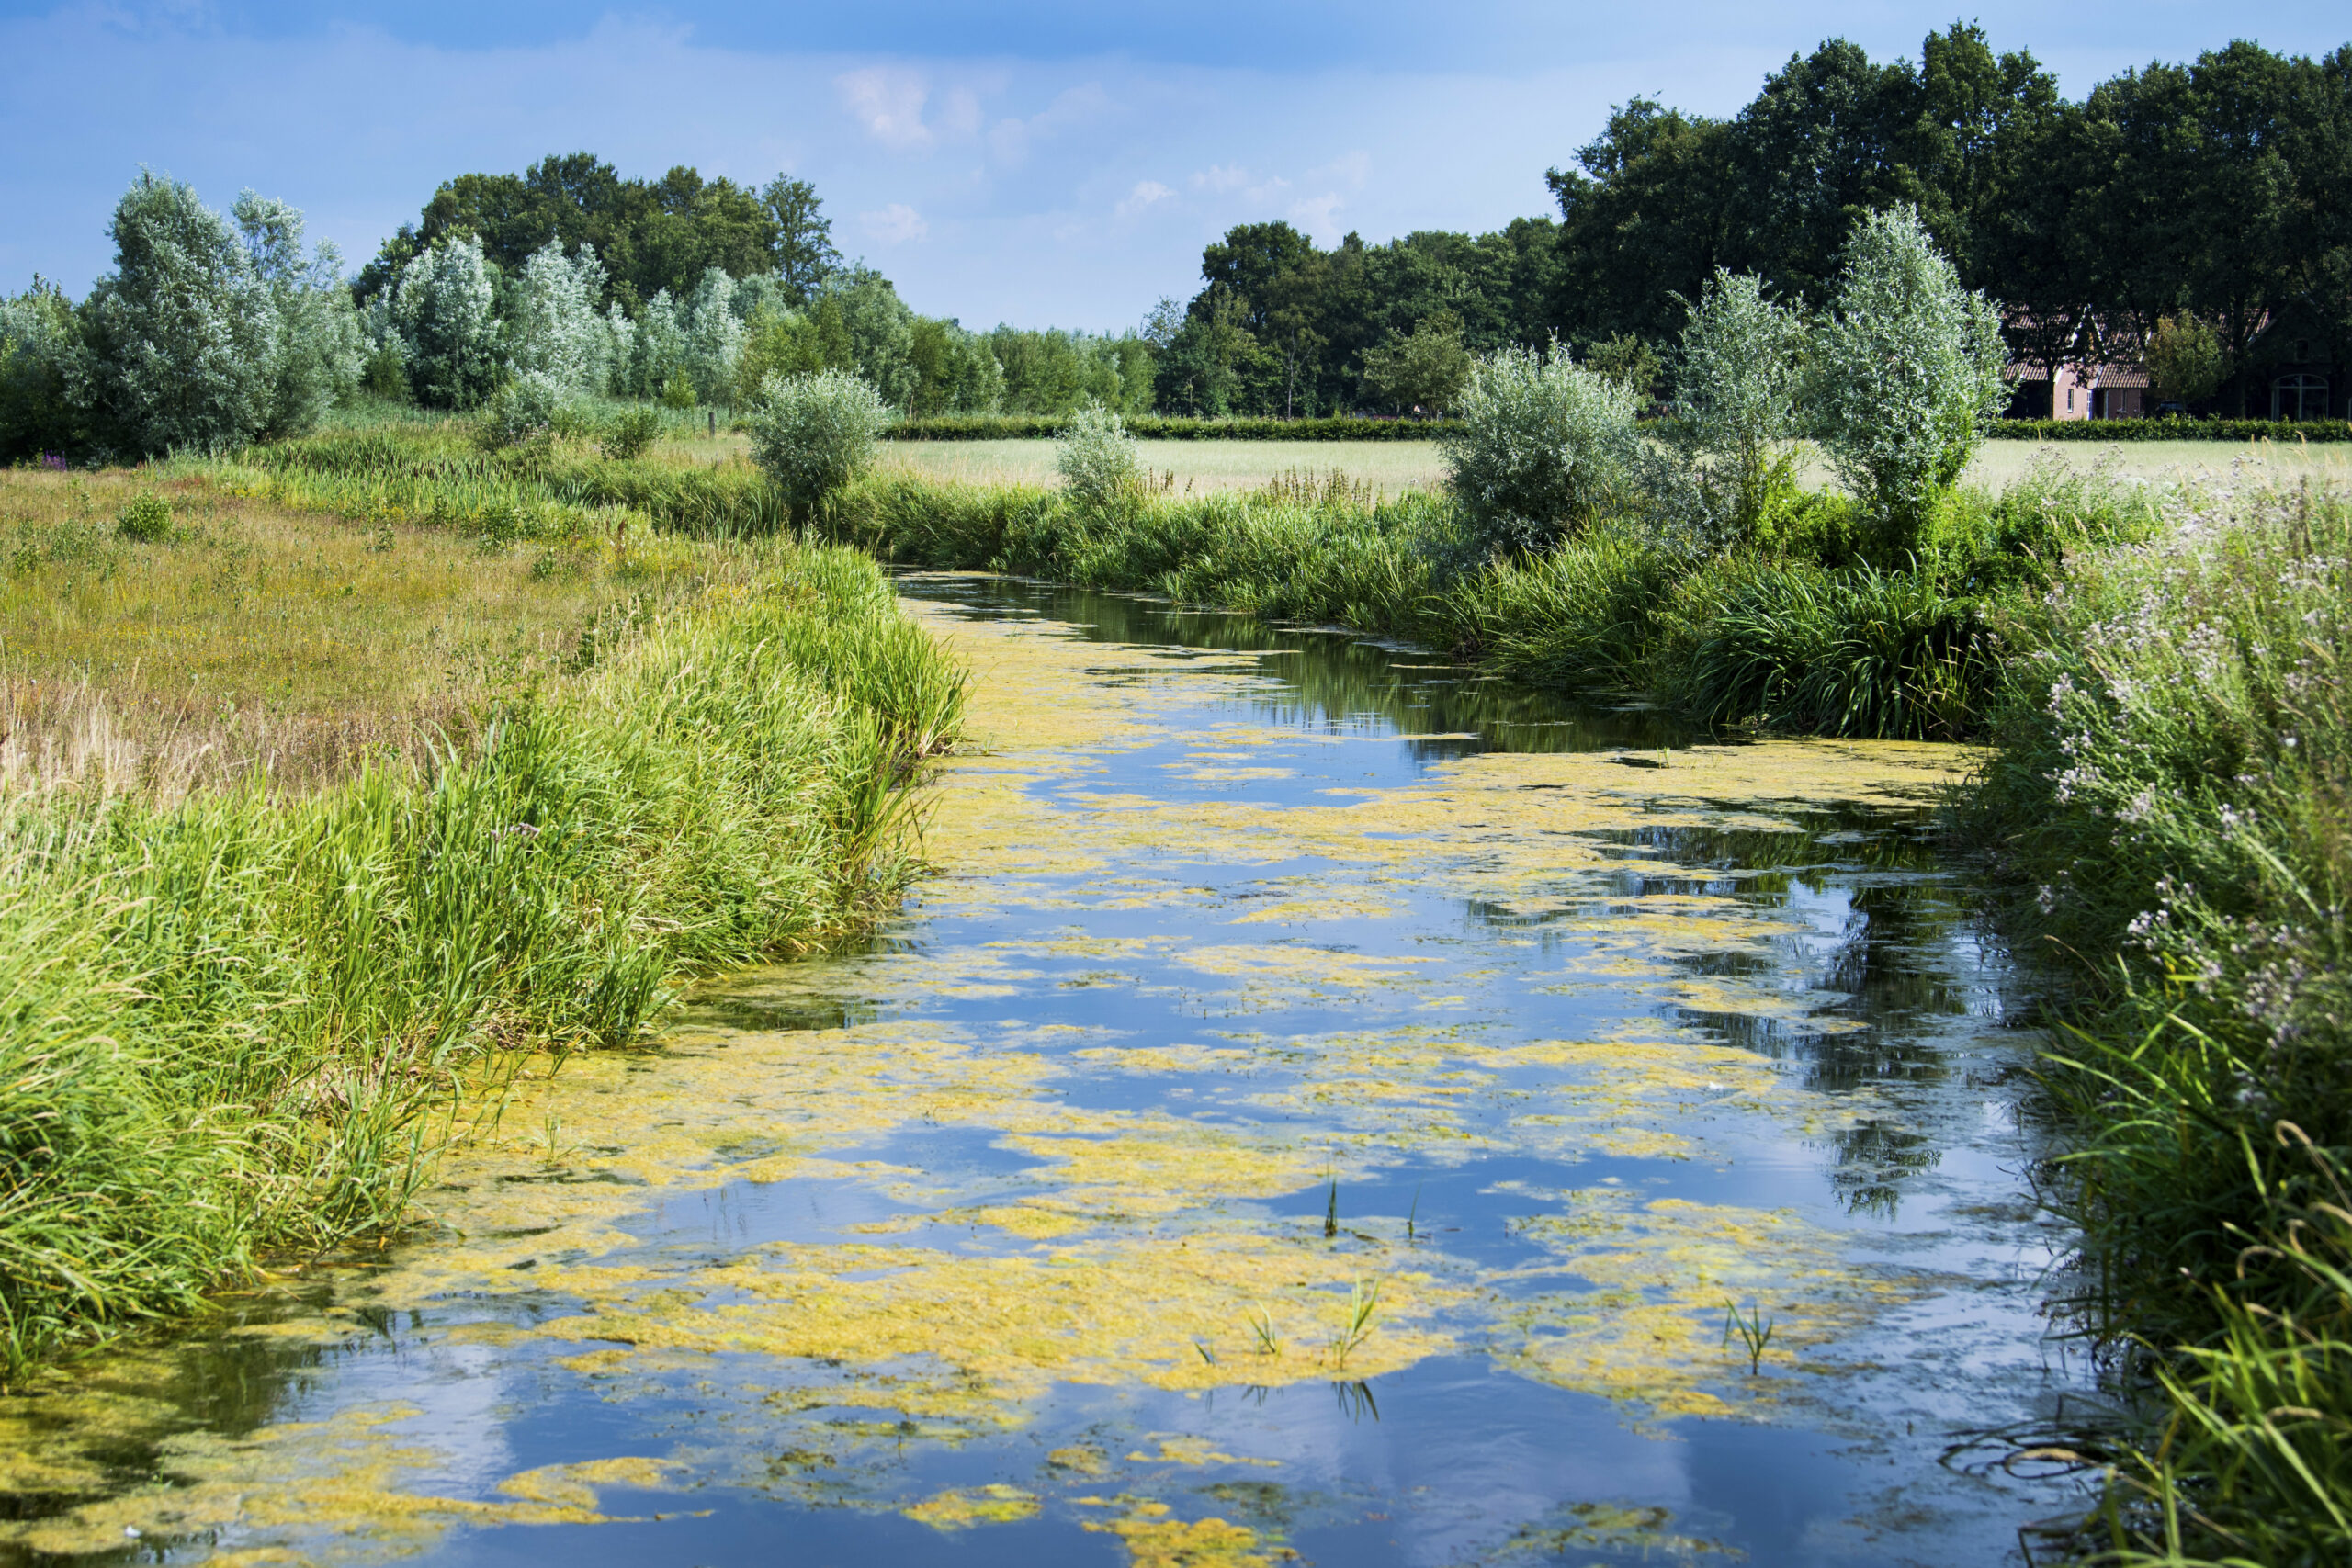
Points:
(1799, 634)
(241, 966)
(2172, 791)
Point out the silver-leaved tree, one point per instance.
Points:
(1905, 373)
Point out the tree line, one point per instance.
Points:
(2197, 217)
(2181, 207)
(217, 329)
(699, 290)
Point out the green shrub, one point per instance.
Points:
(1422, 371)
(813, 434)
(1097, 459)
(2023, 536)
(678, 391)
(1737, 375)
(1821, 526)
(573, 421)
(626, 435)
(385, 373)
(145, 520)
(2186, 360)
(524, 410)
(1544, 447)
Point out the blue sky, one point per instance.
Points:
(1053, 164)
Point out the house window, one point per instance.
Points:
(2303, 350)
(2299, 397)
(2070, 399)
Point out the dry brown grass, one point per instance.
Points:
(256, 640)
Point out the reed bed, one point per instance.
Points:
(236, 992)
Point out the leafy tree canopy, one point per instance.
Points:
(650, 235)
(2221, 188)
(1283, 326)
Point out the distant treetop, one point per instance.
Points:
(650, 235)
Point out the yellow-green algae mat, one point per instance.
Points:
(1247, 1063)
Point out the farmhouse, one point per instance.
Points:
(2296, 367)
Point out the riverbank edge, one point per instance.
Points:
(229, 1026)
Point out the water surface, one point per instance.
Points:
(1325, 1104)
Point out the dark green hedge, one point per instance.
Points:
(2171, 429)
(1158, 427)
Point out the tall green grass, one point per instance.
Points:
(439, 475)
(2172, 788)
(224, 1024)
(1862, 651)
(1771, 638)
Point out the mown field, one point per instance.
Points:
(1392, 466)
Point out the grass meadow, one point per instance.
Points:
(254, 640)
(1394, 466)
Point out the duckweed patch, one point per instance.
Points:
(994, 1504)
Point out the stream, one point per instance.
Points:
(1324, 1106)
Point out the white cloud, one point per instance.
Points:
(1265, 191)
(1012, 140)
(1009, 141)
(1315, 217)
(889, 105)
(1221, 177)
(1147, 194)
(894, 225)
(959, 116)
(1351, 169)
